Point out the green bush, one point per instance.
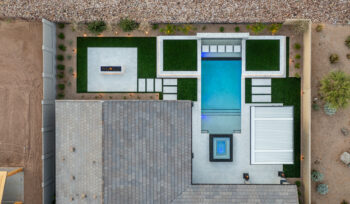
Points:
(60, 25)
(344, 202)
(222, 29)
(96, 27)
(297, 46)
(335, 89)
(62, 47)
(60, 96)
(61, 86)
(155, 26)
(60, 75)
(347, 41)
(348, 56)
(128, 25)
(61, 36)
(169, 29)
(319, 28)
(333, 58)
(256, 28)
(297, 75)
(315, 106)
(328, 110)
(186, 29)
(322, 189)
(60, 67)
(204, 27)
(237, 29)
(297, 65)
(298, 183)
(273, 28)
(316, 176)
(60, 57)
(297, 56)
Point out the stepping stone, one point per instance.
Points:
(169, 97)
(261, 90)
(142, 85)
(261, 98)
(213, 48)
(237, 48)
(150, 85)
(158, 85)
(221, 48)
(169, 89)
(261, 82)
(229, 48)
(171, 82)
(205, 48)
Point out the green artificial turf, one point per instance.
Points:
(146, 55)
(187, 89)
(287, 57)
(262, 55)
(287, 91)
(248, 90)
(180, 55)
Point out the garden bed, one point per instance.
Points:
(262, 55)
(180, 55)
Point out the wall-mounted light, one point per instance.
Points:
(246, 176)
(85, 35)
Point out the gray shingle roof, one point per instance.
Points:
(142, 154)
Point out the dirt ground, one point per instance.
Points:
(20, 102)
(327, 140)
(72, 31)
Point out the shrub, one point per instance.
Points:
(97, 27)
(204, 27)
(62, 47)
(333, 58)
(347, 41)
(60, 67)
(297, 56)
(222, 29)
(128, 25)
(315, 106)
(316, 176)
(273, 28)
(328, 110)
(348, 56)
(297, 65)
(335, 89)
(60, 95)
(61, 36)
(155, 26)
(237, 29)
(60, 25)
(297, 75)
(186, 29)
(297, 46)
(256, 28)
(61, 86)
(322, 189)
(169, 29)
(344, 202)
(60, 57)
(60, 75)
(298, 183)
(319, 28)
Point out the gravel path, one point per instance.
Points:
(180, 11)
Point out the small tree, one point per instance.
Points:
(97, 27)
(322, 189)
(169, 29)
(128, 25)
(335, 89)
(316, 176)
(273, 28)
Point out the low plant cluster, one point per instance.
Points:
(60, 58)
(171, 29)
(96, 27)
(317, 176)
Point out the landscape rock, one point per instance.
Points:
(345, 158)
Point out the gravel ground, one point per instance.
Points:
(179, 11)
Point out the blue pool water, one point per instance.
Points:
(221, 95)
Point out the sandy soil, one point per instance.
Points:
(327, 140)
(72, 31)
(20, 102)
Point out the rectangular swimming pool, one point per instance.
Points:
(221, 95)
